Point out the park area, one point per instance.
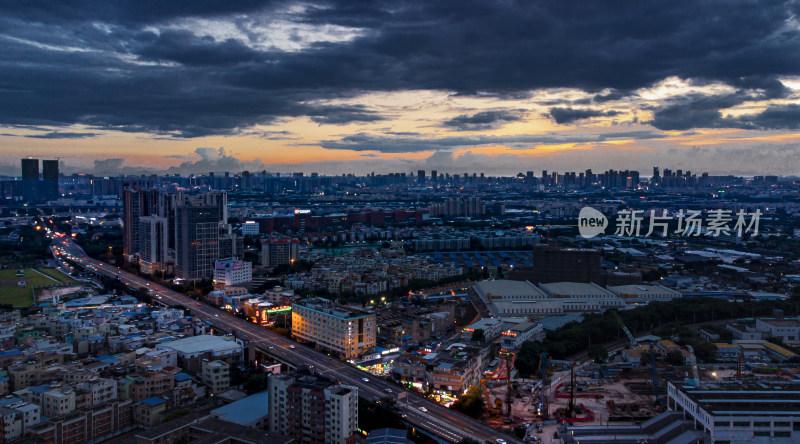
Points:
(11, 292)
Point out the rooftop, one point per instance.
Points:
(734, 397)
(781, 322)
(246, 411)
(642, 289)
(484, 323)
(519, 289)
(202, 344)
(154, 401)
(575, 289)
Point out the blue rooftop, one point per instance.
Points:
(154, 401)
(12, 352)
(8, 401)
(245, 411)
(182, 377)
(393, 436)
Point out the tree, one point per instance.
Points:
(598, 353)
(675, 358)
(478, 336)
(705, 351)
(470, 404)
(256, 383)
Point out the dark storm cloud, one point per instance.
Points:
(53, 135)
(62, 135)
(484, 120)
(127, 70)
(704, 112)
(188, 49)
(371, 142)
(342, 115)
(570, 115)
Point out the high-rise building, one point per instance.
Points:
(555, 264)
(218, 199)
(434, 176)
(30, 180)
(49, 185)
(196, 240)
(153, 244)
(420, 176)
(136, 203)
(278, 251)
(312, 408)
(344, 331)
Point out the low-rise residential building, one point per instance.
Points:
(54, 401)
(89, 425)
(100, 390)
(148, 412)
(17, 417)
(216, 376)
(232, 272)
(146, 384)
(514, 336)
(491, 327)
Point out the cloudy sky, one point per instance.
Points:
(497, 86)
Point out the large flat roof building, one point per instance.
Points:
(507, 290)
(741, 412)
(642, 294)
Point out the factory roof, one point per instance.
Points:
(506, 288)
(579, 289)
(642, 289)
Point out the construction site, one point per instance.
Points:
(565, 395)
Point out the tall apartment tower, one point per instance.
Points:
(49, 185)
(30, 180)
(153, 244)
(196, 240)
(311, 408)
(420, 176)
(136, 203)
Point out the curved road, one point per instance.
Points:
(438, 420)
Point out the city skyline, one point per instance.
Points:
(333, 88)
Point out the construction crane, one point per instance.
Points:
(509, 357)
(544, 362)
(692, 360)
(654, 373)
(739, 365)
(624, 328)
(498, 408)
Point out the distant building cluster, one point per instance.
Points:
(370, 271)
